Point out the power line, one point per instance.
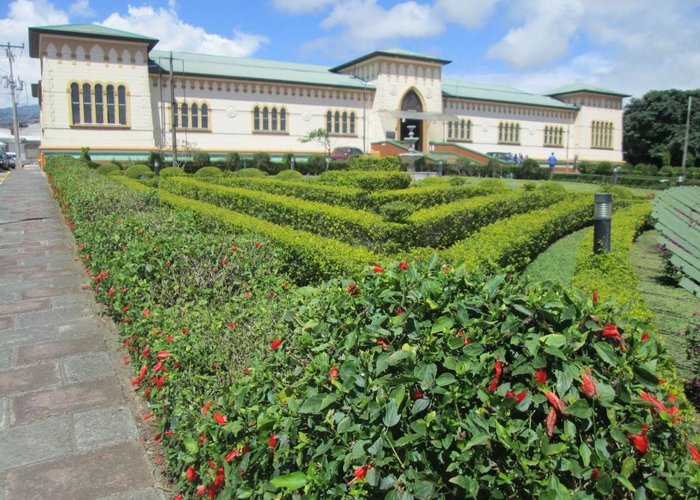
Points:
(13, 90)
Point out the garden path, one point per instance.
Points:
(67, 425)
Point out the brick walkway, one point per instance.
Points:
(67, 429)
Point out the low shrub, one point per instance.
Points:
(107, 168)
(172, 172)
(201, 159)
(208, 172)
(383, 164)
(366, 180)
(290, 175)
(138, 171)
(314, 165)
(348, 225)
(232, 161)
(261, 161)
(396, 211)
(645, 169)
(250, 172)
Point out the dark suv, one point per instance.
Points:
(344, 153)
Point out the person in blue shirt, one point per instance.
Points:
(552, 162)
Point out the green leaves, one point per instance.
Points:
(292, 481)
(606, 353)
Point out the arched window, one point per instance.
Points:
(345, 122)
(256, 118)
(411, 102)
(449, 130)
(99, 104)
(75, 102)
(87, 103)
(352, 123)
(274, 119)
(329, 122)
(110, 104)
(205, 116)
(283, 120)
(336, 127)
(185, 115)
(195, 116)
(266, 119)
(121, 92)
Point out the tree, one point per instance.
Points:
(320, 136)
(654, 127)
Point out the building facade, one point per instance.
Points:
(111, 91)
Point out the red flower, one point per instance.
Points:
(231, 456)
(147, 415)
(110, 292)
(146, 313)
(201, 490)
(224, 261)
(418, 394)
(594, 474)
(645, 337)
(518, 397)
(399, 311)
(123, 290)
(556, 403)
(588, 386)
(170, 338)
(161, 381)
(334, 374)
(403, 266)
(191, 474)
(352, 289)
(207, 405)
(163, 354)
(178, 497)
(185, 331)
(694, 452)
(595, 297)
(246, 295)
(541, 376)
(640, 440)
(551, 421)
(612, 332)
(384, 345)
(234, 247)
(220, 476)
(168, 264)
(126, 320)
(658, 405)
(158, 367)
(202, 438)
(146, 352)
(232, 324)
(221, 419)
(377, 268)
(672, 398)
(272, 441)
(498, 367)
(360, 473)
(275, 343)
(144, 370)
(147, 392)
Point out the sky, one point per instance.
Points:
(630, 46)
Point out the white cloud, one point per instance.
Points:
(362, 24)
(81, 8)
(469, 13)
(302, 6)
(543, 37)
(176, 34)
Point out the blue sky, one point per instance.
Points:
(627, 45)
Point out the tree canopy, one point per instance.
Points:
(654, 127)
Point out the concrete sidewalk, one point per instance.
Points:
(67, 428)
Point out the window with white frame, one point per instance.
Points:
(553, 136)
(341, 122)
(89, 100)
(270, 119)
(459, 130)
(509, 133)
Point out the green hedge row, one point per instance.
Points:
(311, 191)
(371, 163)
(308, 257)
(443, 225)
(367, 181)
(517, 240)
(352, 226)
(431, 195)
(611, 275)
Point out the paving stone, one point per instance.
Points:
(58, 349)
(37, 442)
(146, 494)
(118, 469)
(24, 306)
(27, 378)
(72, 299)
(5, 358)
(19, 269)
(47, 292)
(7, 322)
(87, 367)
(41, 274)
(61, 315)
(97, 428)
(60, 400)
(21, 336)
(3, 413)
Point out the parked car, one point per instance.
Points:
(11, 160)
(344, 153)
(502, 157)
(4, 161)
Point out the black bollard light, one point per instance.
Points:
(156, 166)
(292, 163)
(440, 169)
(616, 174)
(602, 222)
(680, 180)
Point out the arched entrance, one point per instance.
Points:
(412, 102)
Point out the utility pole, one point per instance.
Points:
(173, 106)
(685, 145)
(13, 87)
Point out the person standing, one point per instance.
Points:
(552, 163)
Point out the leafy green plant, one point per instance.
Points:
(261, 161)
(371, 163)
(396, 211)
(208, 172)
(172, 172)
(291, 175)
(107, 168)
(138, 171)
(232, 161)
(250, 172)
(367, 180)
(201, 159)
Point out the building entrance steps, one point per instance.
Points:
(68, 426)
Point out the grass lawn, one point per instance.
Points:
(558, 262)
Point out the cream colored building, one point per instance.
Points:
(111, 91)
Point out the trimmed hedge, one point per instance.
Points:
(517, 240)
(250, 172)
(138, 171)
(208, 172)
(383, 164)
(351, 226)
(428, 196)
(308, 257)
(108, 168)
(291, 175)
(311, 191)
(367, 181)
(443, 225)
(611, 274)
(172, 172)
